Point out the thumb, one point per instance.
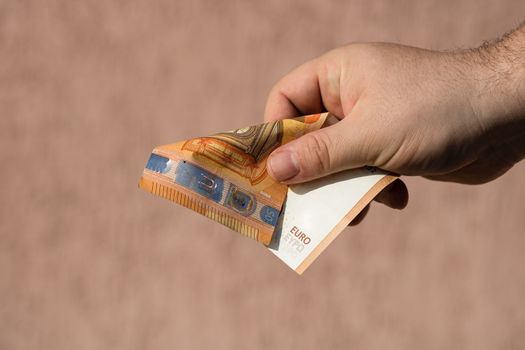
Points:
(317, 154)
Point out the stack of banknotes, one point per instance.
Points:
(224, 177)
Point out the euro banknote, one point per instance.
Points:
(316, 212)
(224, 178)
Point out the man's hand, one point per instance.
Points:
(447, 116)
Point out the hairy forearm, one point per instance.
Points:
(499, 80)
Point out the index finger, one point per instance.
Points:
(296, 94)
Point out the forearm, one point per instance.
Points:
(500, 90)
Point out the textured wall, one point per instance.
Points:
(87, 261)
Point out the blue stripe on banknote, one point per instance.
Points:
(199, 180)
(240, 201)
(158, 164)
(269, 215)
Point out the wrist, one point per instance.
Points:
(497, 75)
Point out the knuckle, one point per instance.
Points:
(318, 156)
(275, 91)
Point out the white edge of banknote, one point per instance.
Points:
(316, 212)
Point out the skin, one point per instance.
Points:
(448, 116)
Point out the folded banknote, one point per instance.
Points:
(224, 177)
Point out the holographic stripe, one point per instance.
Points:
(213, 187)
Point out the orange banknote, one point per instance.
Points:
(224, 176)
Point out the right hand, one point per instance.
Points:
(402, 109)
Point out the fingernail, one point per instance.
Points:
(283, 165)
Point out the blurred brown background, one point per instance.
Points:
(87, 261)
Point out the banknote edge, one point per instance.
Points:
(361, 204)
